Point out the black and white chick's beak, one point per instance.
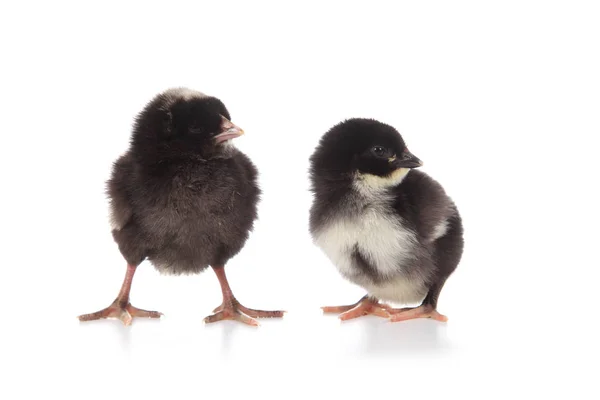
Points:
(406, 160)
(228, 131)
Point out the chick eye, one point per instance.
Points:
(379, 151)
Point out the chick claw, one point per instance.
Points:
(364, 306)
(237, 312)
(124, 312)
(425, 311)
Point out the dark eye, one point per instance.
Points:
(379, 151)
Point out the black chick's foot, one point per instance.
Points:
(423, 311)
(233, 310)
(365, 306)
(120, 310)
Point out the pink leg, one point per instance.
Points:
(231, 309)
(121, 308)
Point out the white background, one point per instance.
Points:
(501, 102)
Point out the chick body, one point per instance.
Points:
(183, 216)
(182, 197)
(389, 229)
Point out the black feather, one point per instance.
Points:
(417, 203)
(176, 197)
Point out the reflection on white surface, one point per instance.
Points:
(366, 337)
(392, 340)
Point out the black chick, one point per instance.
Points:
(182, 197)
(386, 227)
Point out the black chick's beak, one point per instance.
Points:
(228, 131)
(406, 160)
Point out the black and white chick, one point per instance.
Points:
(387, 227)
(182, 197)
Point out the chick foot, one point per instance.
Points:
(365, 306)
(231, 309)
(120, 310)
(252, 312)
(424, 311)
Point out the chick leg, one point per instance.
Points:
(121, 308)
(365, 306)
(232, 309)
(427, 309)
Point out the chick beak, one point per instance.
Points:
(406, 160)
(228, 131)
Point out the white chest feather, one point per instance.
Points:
(385, 243)
(378, 236)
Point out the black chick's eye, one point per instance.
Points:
(195, 130)
(379, 151)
